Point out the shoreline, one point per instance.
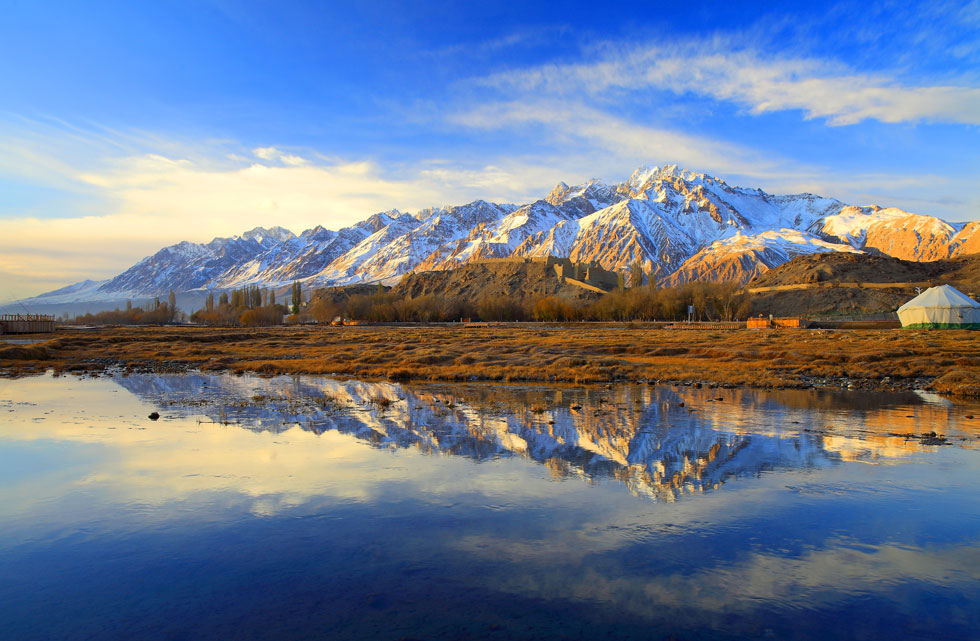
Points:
(947, 362)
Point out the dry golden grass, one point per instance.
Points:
(531, 352)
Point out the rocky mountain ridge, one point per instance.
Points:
(679, 225)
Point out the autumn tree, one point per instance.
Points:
(324, 310)
(297, 297)
(636, 273)
(171, 306)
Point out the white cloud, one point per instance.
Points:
(819, 88)
(150, 200)
(593, 131)
(273, 154)
(266, 153)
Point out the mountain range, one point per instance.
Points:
(680, 225)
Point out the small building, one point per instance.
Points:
(793, 322)
(942, 307)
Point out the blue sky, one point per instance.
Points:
(128, 126)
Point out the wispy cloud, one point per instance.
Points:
(594, 131)
(539, 36)
(759, 83)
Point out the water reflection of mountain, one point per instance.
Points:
(659, 442)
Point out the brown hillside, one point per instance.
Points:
(849, 284)
(472, 282)
(343, 293)
(830, 301)
(865, 268)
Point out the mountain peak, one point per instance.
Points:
(558, 194)
(593, 189)
(262, 235)
(644, 175)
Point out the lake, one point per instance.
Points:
(311, 508)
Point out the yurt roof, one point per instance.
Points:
(941, 296)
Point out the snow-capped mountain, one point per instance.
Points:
(186, 266)
(679, 225)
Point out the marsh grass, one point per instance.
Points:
(576, 353)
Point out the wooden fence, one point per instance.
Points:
(26, 323)
(706, 325)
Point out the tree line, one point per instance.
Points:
(153, 312)
(249, 306)
(711, 302)
(252, 306)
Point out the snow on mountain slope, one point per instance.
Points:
(500, 238)
(679, 224)
(598, 195)
(71, 292)
(693, 197)
(186, 266)
(630, 231)
(347, 266)
(306, 255)
(912, 237)
(668, 215)
(967, 240)
(557, 241)
(740, 257)
(278, 263)
(438, 234)
(893, 232)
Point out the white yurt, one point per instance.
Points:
(942, 307)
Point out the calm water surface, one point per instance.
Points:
(308, 508)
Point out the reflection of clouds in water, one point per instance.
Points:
(818, 579)
(291, 466)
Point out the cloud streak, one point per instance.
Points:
(590, 129)
(760, 84)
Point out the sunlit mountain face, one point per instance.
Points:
(679, 225)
